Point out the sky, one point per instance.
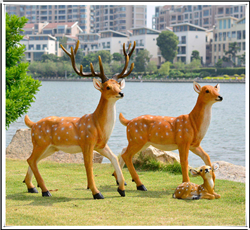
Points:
(150, 13)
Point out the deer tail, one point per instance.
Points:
(123, 120)
(28, 122)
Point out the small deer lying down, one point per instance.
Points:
(191, 191)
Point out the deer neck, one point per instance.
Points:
(209, 184)
(104, 116)
(201, 117)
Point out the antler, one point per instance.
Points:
(124, 72)
(81, 73)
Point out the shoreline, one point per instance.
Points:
(151, 81)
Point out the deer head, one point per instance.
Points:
(110, 88)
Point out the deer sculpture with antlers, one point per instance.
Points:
(191, 191)
(80, 134)
(184, 133)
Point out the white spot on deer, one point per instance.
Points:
(55, 129)
(172, 118)
(167, 133)
(87, 136)
(159, 123)
(161, 136)
(136, 130)
(32, 134)
(74, 119)
(80, 125)
(84, 124)
(128, 130)
(76, 137)
(39, 137)
(186, 122)
(50, 137)
(55, 134)
(67, 122)
(54, 119)
(82, 131)
(44, 122)
(70, 126)
(67, 132)
(145, 126)
(177, 120)
(156, 134)
(135, 123)
(41, 131)
(151, 117)
(180, 125)
(59, 138)
(62, 119)
(130, 139)
(39, 126)
(79, 138)
(140, 137)
(179, 130)
(89, 126)
(76, 123)
(62, 128)
(49, 118)
(66, 139)
(180, 136)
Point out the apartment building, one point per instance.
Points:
(228, 30)
(205, 16)
(39, 44)
(56, 14)
(119, 17)
(145, 38)
(191, 37)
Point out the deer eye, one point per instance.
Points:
(201, 170)
(207, 91)
(108, 88)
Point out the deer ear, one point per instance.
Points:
(197, 87)
(215, 166)
(194, 172)
(217, 87)
(122, 84)
(97, 84)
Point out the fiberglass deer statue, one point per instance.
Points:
(80, 134)
(191, 191)
(184, 133)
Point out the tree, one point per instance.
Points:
(168, 42)
(117, 57)
(151, 67)
(63, 41)
(141, 61)
(49, 57)
(165, 68)
(242, 58)
(219, 63)
(105, 56)
(195, 55)
(233, 49)
(20, 87)
(179, 65)
(195, 64)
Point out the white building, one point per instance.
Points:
(191, 37)
(37, 45)
(145, 39)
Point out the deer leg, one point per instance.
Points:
(183, 152)
(28, 178)
(121, 163)
(37, 153)
(203, 155)
(106, 151)
(88, 162)
(131, 150)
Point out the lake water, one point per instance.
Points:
(225, 138)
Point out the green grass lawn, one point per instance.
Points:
(72, 204)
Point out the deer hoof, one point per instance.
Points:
(32, 190)
(117, 183)
(47, 193)
(196, 197)
(142, 188)
(98, 196)
(121, 192)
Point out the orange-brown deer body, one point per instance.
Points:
(80, 134)
(191, 191)
(184, 132)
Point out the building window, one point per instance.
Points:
(239, 35)
(220, 24)
(206, 21)
(229, 23)
(229, 35)
(215, 48)
(220, 36)
(38, 47)
(215, 37)
(44, 46)
(206, 13)
(224, 24)
(31, 47)
(243, 46)
(224, 47)
(233, 34)
(219, 47)
(220, 10)
(239, 45)
(236, 9)
(224, 36)
(244, 34)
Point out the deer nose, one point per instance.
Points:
(206, 170)
(220, 97)
(121, 94)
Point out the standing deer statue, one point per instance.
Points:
(80, 134)
(184, 133)
(191, 191)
